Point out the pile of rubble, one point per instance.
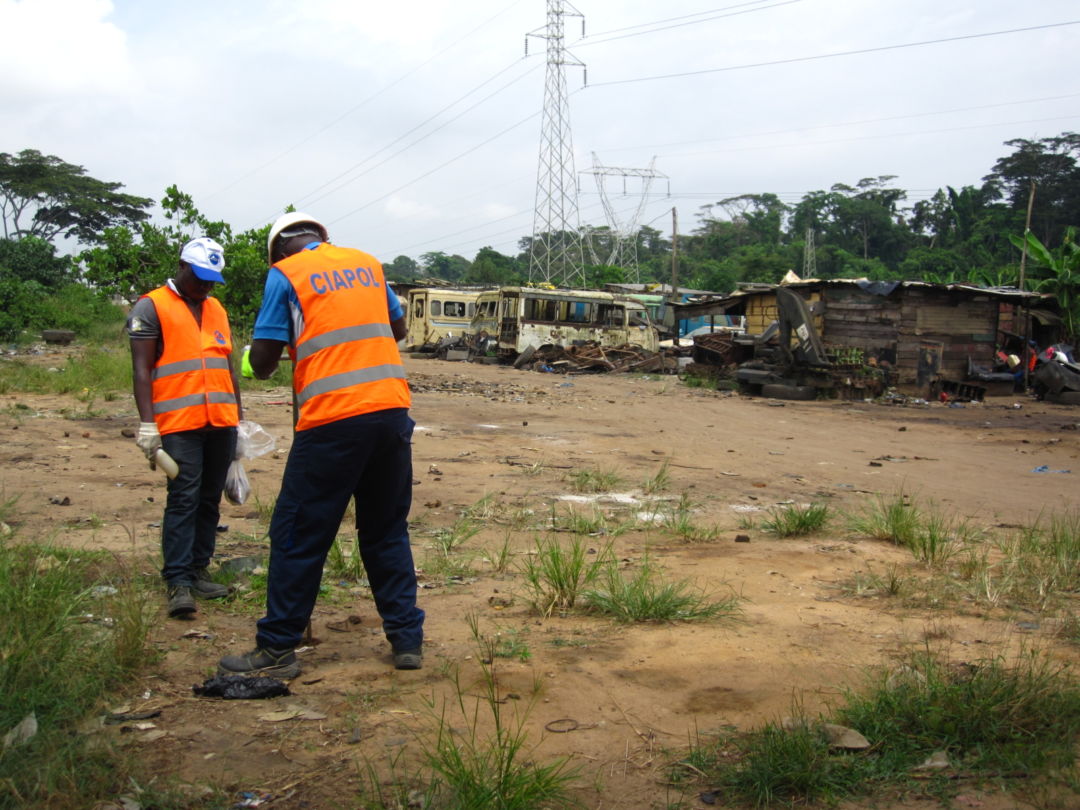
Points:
(592, 357)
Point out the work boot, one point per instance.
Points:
(408, 659)
(261, 661)
(181, 602)
(205, 588)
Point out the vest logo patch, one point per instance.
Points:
(329, 281)
(220, 338)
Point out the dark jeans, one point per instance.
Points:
(369, 458)
(189, 527)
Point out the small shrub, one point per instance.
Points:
(594, 480)
(556, 574)
(659, 482)
(645, 597)
(796, 521)
(891, 518)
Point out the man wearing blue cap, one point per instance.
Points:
(188, 400)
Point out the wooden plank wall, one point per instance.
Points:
(966, 326)
(897, 327)
(859, 320)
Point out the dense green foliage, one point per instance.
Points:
(38, 290)
(972, 234)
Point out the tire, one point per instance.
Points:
(1066, 398)
(797, 392)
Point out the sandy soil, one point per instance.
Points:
(632, 695)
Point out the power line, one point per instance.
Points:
(441, 166)
(675, 19)
(584, 43)
(842, 124)
(365, 101)
(308, 197)
(804, 144)
(797, 59)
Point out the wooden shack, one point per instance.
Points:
(923, 332)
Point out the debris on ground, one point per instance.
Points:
(591, 357)
(241, 687)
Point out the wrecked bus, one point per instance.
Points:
(516, 318)
(437, 312)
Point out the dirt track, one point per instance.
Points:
(635, 694)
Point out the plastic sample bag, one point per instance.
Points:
(252, 440)
(237, 487)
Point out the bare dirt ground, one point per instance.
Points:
(622, 701)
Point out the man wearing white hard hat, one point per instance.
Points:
(188, 400)
(332, 309)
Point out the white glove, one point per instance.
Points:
(148, 439)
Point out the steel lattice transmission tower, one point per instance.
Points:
(555, 256)
(623, 234)
(809, 264)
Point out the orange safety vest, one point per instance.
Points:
(191, 385)
(346, 361)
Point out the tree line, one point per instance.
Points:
(974, 234)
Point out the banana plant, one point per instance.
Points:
(1061, 273)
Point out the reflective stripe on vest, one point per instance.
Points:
(346, 358)
(191, 385)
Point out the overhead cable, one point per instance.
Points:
(797, 59)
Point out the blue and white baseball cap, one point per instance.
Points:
(206, 259)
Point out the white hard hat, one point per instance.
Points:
(285, 222)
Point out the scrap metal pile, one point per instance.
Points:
(591, 357)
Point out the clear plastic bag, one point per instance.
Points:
(237, 487)
(252, 441)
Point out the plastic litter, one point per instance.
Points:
(241, 687)
(1042, 468)
(237, 487)
(252, 440)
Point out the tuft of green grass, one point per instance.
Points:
(995, 720)
(501, 555)
(788, 766)
(511, 643)
(796, 521)
(479, 753)
(659, 482)
(343, 560)
(592, 524)
(594, 480)
(696, 381)
(645, 597)
(556, 574)
(991, 716)
(893, 518)
(450, 538)
(264, 510)
(679, 520)
(66, 647)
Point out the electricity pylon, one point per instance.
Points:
(623, 235)
(555, 254)
(809, 263)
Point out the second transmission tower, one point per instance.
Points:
(624, 234)
(555, 256)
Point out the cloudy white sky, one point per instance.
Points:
(415, 126)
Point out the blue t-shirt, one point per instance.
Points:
(280, 316)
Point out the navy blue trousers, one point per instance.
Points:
(368, 458)
(193, 505)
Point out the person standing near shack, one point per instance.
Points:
(188, 400)
(332, 308)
